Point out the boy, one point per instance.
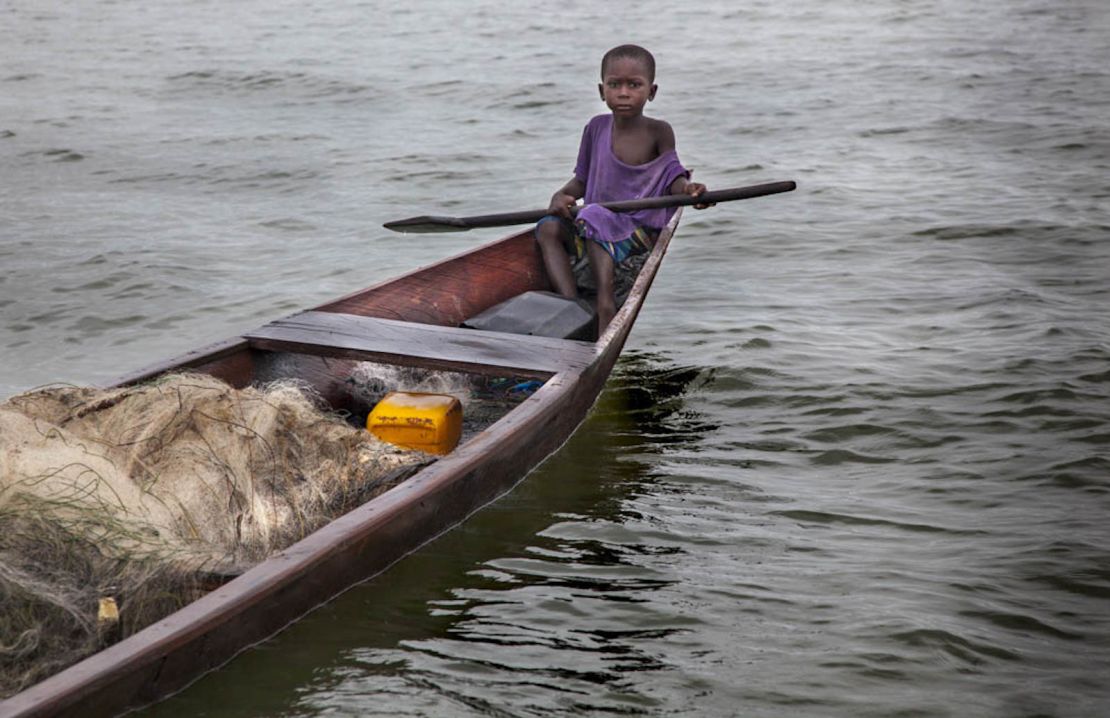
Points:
(623, 155)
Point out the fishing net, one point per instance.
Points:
(141, 498)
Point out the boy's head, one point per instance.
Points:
(627, 80)
(631, 52)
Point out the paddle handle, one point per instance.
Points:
(505, 219)
(635, 205)
(709, 197)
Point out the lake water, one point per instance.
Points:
(856, 458)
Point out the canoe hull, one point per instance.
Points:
(168, 655)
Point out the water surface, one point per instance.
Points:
(854, 461)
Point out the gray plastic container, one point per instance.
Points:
(543, 314)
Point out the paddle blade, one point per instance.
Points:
(427, 224)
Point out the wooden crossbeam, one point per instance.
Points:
(426, 345)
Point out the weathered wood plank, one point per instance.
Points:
(426, 345)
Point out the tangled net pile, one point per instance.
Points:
(146, 495)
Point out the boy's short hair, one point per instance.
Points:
(631, 52)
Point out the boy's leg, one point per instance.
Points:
(602, 265)
(552, 236)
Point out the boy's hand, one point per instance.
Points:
(561, 204)
(694, 189)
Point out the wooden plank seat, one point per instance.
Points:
(426, 345)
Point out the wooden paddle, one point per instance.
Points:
(461, 224)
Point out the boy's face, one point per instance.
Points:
(626, 86)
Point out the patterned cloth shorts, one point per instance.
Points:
(639, 242)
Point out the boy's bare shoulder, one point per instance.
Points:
(664, 135)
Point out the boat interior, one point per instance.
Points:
(485, 318)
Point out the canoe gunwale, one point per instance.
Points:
(168, 655)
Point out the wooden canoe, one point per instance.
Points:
(409, 321)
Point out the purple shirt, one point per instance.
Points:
(608, 179)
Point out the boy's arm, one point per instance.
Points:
(665, 143)
(565, 197)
